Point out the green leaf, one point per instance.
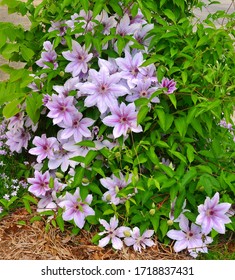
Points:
(142, 113)
(12, 108)
(190, 152)
(155, 219)
(165, 120)
(85, 5)
(79, 174)
(89, 157)
(60, 220)
(163, 227)
(191, 174)
(86, 143)
(27, 53)
(181, 126)
(202, 41)
(27, 206)
(98, 7)
(108, 212)
(170, 15)
(33, 103)
(95, 189)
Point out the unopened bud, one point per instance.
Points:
(85, 181)
(153, 205)
(61, 74)
(59, 175)
(117, 154)
(201, 189)
(152, 212)
(170, 222)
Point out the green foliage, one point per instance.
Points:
(183, 153)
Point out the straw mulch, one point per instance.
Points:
(32, 242)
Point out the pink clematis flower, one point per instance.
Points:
(130, 67)
(61, 109)
(48, 56)
(44, 147)
(75, 208)
(79, 58)
(18, 139)
(139, 241)
(114, 185)
(114, 233)
(67, 87)
(79, 128)
(125, 27)
(143, 89)
(212, 215)
(123, 119)
(169, 84)
(190, 238)
(40, 183)
(103, 89)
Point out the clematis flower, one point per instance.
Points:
(48, 56)
(139, 241)
(60, 26)
(79, 58)
(67, 87)
(130, 67)
(190, 238)
(103, 89)
(125, 27)
(16, 140)
(61, 109)
(113, 232)
(63, 154)
(169, 84)
(44, 147)
(75, 208)
(114, 185)
(78, 129)
(212, 215)
(106, 21)
(143, 89)
(123, 119)
(40, 183)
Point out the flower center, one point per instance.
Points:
(143, 93)
(123, 120)
(134, 71)
(210, 212)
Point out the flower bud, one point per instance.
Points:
(59, 175)
(152, 212)
(61, 74)
(170, 222)
(85, 181)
